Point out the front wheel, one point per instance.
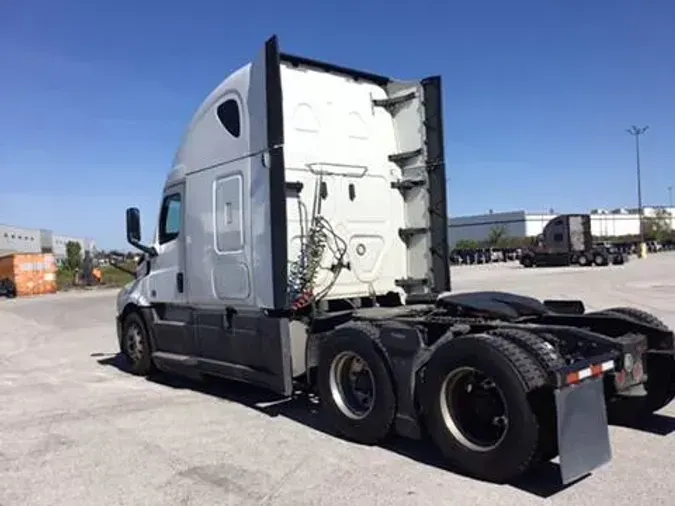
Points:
(476, 409)
(136, 345)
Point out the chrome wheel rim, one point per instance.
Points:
(352, 385)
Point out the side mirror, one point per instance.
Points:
(133, 225)
(134, 232)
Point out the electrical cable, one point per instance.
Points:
(303, 271)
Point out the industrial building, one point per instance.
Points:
(34, 240)
(604, 223)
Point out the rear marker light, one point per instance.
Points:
(589, 372)
(621, 378)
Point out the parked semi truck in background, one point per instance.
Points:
(567, 240)
(302, 243)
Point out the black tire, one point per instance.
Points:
(600, 260)
(542, 400)
(527, 261)
(640, 316)
(545, 353)
(374, 423)
(660, 370)
(516, 374)
(136, 345)
(582, 260)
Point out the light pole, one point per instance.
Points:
(637, 132)
(670, 206)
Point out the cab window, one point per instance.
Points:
(170, 218)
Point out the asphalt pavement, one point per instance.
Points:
(77, 429)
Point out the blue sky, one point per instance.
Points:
(537, 94)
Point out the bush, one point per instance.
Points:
(73, 259)
(65, 277)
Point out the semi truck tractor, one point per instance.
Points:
(302, 243)
(567, 240)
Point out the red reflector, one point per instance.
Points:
(596, 370)
(573, 378)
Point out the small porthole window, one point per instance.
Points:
(228, 115)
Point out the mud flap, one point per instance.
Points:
(583, 432)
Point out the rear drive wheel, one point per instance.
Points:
(660, 370)
(641, 316)
(355, 385)
(542, 400)
(527, 261)
(600, 260)
(136, 345)
(583, 260)
(476, 409)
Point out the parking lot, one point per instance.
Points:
(76, 429)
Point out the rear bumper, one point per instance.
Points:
(594, 367)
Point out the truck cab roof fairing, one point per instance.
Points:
(193, 142)
(200, 146)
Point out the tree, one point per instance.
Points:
(515, 242)
(496, 236)
(73, 255)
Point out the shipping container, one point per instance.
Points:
(32, 273)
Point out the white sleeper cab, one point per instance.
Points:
(302, 242)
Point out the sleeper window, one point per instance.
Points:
(228, 114)
(170, 218)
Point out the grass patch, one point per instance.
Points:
(115, 277)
